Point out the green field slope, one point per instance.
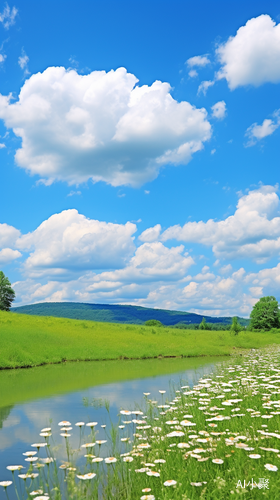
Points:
(115, 313)
(35, 340)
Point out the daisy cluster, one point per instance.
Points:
(224, 429)
(200, 443)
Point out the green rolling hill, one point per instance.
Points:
(113, 313)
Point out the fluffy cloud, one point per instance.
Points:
(151, 276)
(8, 235)
(219, 110)
(8, 238)
(204, 86)
(72, 258)
(151, 234)
(101, 126)
(267, 280)
(198, 61)
(252, 56)
(68, 243)
(152, 262)
(216, 296)
(193, 73)
(7, 255)
(252, 232)
(147, 283)
(149, 268)
(226, 269)
(256, 132)
(7, 17)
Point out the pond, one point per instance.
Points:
(34, 398)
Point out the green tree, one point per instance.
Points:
(235, 326)
(202, 325)
(7, 294)
(265, 314)
(153, 322)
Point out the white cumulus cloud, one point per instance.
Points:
(257, 132)
(198, 61)
(267, 280)
(204, 86)
(205, 294)
(253, 231)
(101, 126)
(150, 234)
(219, 110)
(68, 243)
(193, 73)
(252, 56)
(8, 235)
(151, 267)
(153, 278)
(152, 262)
(72, 258)
(7, 255)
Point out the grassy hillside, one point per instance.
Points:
(34, 340)
(111, 313)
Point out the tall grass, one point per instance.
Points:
(34, 340)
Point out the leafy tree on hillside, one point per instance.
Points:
(7, 294)
(265, 314)
(235, 326)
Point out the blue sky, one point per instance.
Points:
(139, 152)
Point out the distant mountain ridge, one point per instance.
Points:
(114, 313)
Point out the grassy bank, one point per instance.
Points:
(34, 340)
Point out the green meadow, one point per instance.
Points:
(28, 341)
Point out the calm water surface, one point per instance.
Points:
(32, 398)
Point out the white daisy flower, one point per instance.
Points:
(271, 467)
(170, 482)
(110, 460)
(5, 484)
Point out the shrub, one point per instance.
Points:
(235, 326)
(153, 322)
